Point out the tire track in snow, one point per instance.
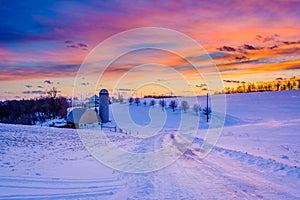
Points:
(45, 188)
(171, 181)
(141, 185)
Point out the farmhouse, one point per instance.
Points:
(93, 102)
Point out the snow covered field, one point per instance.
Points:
(256, 157)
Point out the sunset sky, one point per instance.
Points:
(43, 43)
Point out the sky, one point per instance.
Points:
(44, 43)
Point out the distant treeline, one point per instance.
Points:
(31, 111)
(160, 96)
(276, 85)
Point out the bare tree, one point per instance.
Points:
(185, 105)
(52, 92)
(137, 101)
(173, 104)
(130, 100)
(162, 103)
(152, 102)
(197, 108)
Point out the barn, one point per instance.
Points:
(83, 118)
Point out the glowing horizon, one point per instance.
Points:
(43, 44)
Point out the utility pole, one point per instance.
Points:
(95, 103)
(207, 107)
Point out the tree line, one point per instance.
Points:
(276, 85)
(173, 104)
(29, 112)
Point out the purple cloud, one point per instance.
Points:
(38, 92)
(226, 48)
(34, 92)
(249, 47)
(291, 42)
(82, 45)
(48, 82)
(72, 46)
(68, 42)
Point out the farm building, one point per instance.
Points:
(104, 106)
(83, 118)
(93, 102)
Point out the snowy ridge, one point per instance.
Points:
(244, 157)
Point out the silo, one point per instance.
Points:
(104, 105)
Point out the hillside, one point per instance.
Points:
(256, 157)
